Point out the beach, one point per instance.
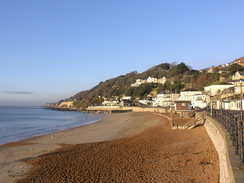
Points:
(122, 147)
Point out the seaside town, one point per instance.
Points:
(125, 91)
(227, 96)
(217, 109)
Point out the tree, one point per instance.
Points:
(178, 86)
(235, 67)
(129, 91)
(143, 89)
(178, 69)
(201, 82)
(97, 100)
(216, 70)
(164, 66)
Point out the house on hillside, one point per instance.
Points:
(238, 82)
(238, 75)
(216, 89)
(162, 80)
(222, 70)
(239, 61)
(139, 82)
(149, 80)
(228, 93)
(152, 80)
(211, 69)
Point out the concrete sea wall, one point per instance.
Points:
(218, 137)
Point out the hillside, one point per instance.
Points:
(179, 77)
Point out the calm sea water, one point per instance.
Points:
(18, 123)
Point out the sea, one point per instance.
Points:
(21, 122)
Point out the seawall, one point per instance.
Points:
(134, 109)
(222, 144)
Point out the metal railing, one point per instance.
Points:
(234, 127)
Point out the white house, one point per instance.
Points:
(125, 97)
(197, 98)
(214, 89)
(139, 82)
(152, 80)
(200, 100)
(149, 80)
(110, 102)
(188, 93)
(162, 80)
(229, 104)
(165, 99)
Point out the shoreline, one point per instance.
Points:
(17, 158)
(8, 144)
(14, 154)
(46, 130)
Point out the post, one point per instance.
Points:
(211, 104)
(241, 99)
(171, 103)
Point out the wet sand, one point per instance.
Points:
(127, 147)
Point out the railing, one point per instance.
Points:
(235, 128)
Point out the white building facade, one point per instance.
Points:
(215, 89)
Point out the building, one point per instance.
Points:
(216, 89)
(139, 82)
(149, 80)
(200, 100)
(152, 80)
(111, 102)
(238, 75)
(188, 93)
(166, 99)
(162, 80)
(239, 61)
(197, 98)
(182, 105)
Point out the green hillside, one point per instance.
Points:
(181, 75)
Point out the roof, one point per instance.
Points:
(241, 60)
(241, 73)
(234, 81)
(182, 101)
(168, 93)
(190, 89)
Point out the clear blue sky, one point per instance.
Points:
(52, 49)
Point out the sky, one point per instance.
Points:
(53, 49)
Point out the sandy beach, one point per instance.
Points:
(123, 147)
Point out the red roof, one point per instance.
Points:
(239, 60)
